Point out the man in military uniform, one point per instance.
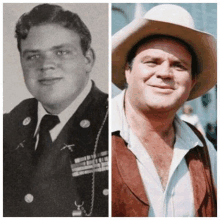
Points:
(56, 144)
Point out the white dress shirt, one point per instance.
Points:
(64, 116)
(177, 198)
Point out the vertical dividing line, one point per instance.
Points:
(109, 103)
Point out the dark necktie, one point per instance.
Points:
(48, 122)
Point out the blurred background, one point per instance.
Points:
(203, 110)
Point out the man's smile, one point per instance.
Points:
(163, 86)
(49, 80)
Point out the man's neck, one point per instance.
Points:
(157, 135)
(58, 108)
(148, 125)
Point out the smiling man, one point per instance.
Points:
(161, 166)
(56, 144)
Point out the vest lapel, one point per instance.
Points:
(128, 169)
(197, 173)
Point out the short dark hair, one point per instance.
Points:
(133, 51)
(54, 14)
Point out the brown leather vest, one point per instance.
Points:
(128, 193)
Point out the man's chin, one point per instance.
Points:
(55, 104)
(166, 102)
(51, 104)
(164, 106)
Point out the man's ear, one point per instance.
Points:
(89, 59)
(127, 72)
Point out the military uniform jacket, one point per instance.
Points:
(63, 178)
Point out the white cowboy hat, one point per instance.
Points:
(171, 20)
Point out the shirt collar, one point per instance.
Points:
(184, 134)
(118, 112)
(65, 115)
(119, 121)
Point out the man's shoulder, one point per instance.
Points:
(19, 122)
(23, 105)
(96, 99)
(94, 108)
(98, 95)
(24, 108)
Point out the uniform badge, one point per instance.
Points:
(85, 123)
(26, 121)
(68, 146)
(21, 145)
(90, 163)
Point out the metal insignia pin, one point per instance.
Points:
(85, 123)
(20, 145)
(26, 121)
(69, 147)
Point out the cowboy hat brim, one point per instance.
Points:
(203, 44)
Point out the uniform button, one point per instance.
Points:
(26, 121)
(105, 192)
(85, 123)
(29, 198)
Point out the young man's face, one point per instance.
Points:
(160, 78)
(55, 69)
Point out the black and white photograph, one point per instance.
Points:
(55, 104)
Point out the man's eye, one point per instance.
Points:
(179, 66)
(62, 52)
(150, 63)
(33, 57)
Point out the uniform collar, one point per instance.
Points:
(66, 114)
(184, 133)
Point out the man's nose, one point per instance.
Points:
(165, 70)
(48, 62)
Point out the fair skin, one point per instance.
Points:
(159, 82)
(54, 66)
